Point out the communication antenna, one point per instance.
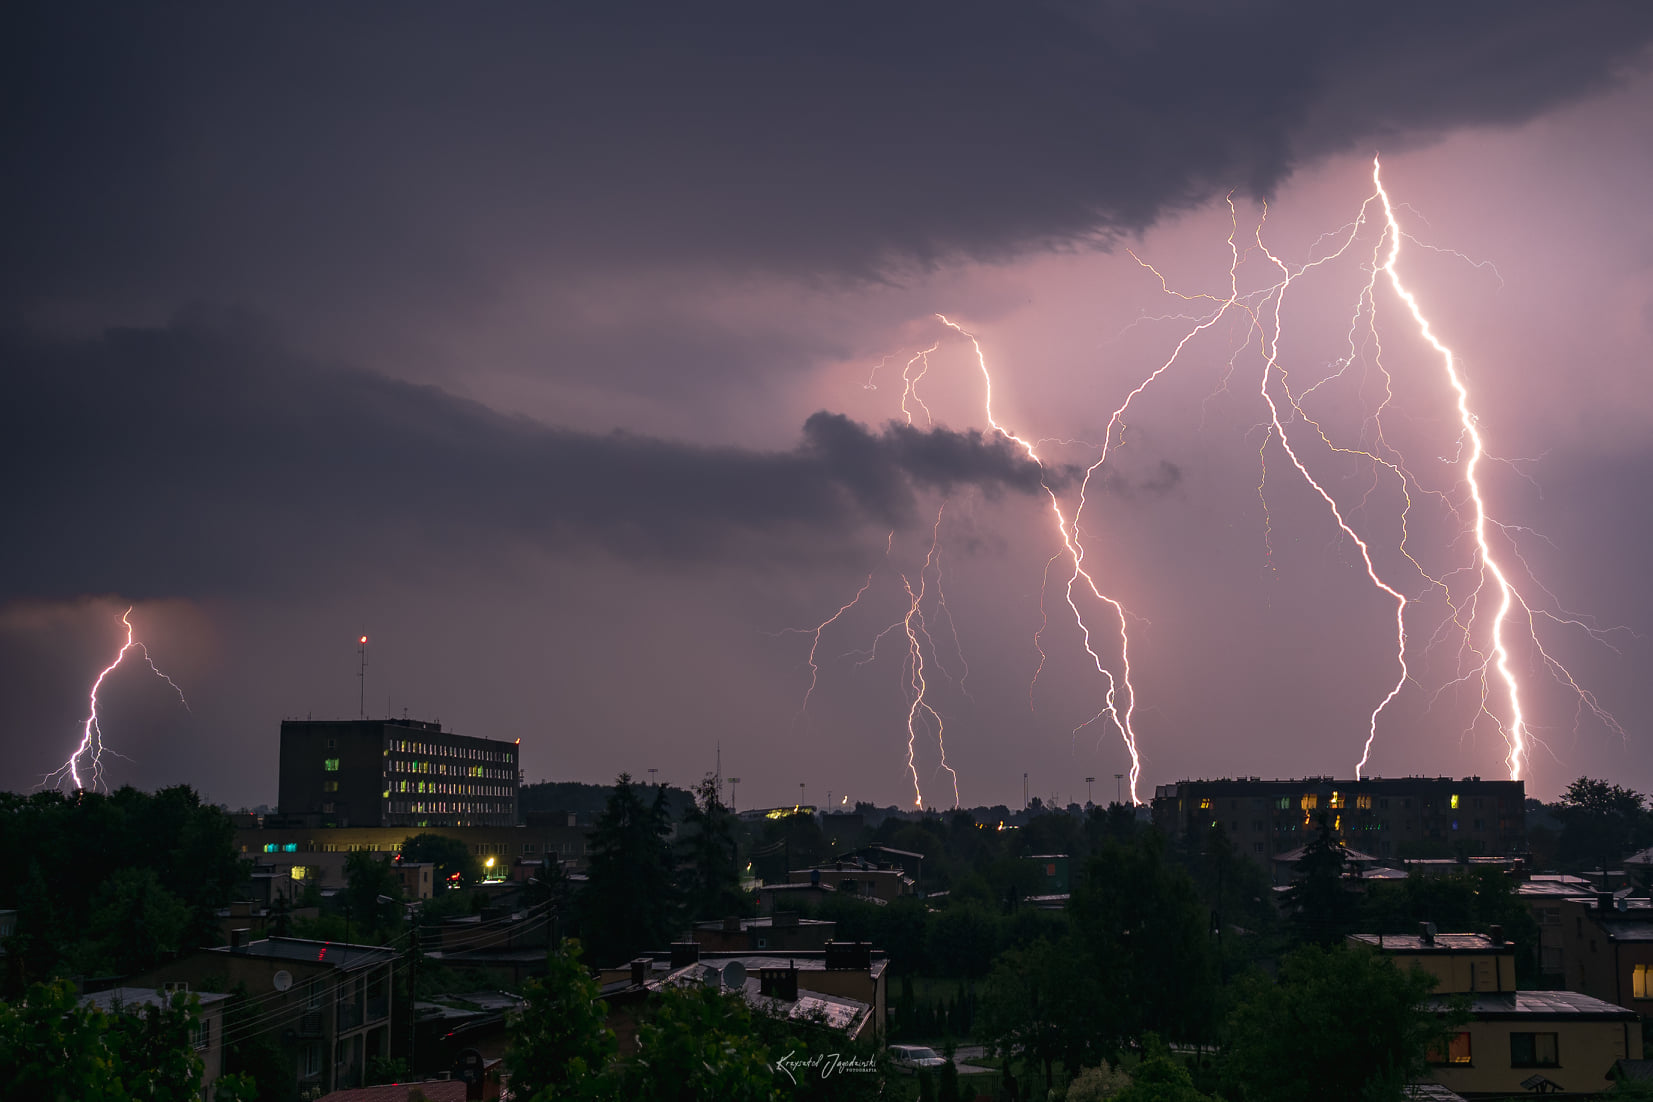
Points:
(361, 676)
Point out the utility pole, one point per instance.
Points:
(1117, 798)
(1088, 782)
(732, 782)
(1024, 791)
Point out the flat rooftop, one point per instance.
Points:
(1440, 943)
(339, 954)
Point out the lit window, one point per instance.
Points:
(1457, 1050)
(1534, 1050)
(331, 765)
(1454, 801)
(329, 786)
(1337, 800)
(1205, 803)
(1639, 982)
(269, 847)
(1364, 803)
(290, 847)
(1310, 802)
(299, 872)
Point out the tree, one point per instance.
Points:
(1142, 937)
(1031, 1010)
(1294, 1038)
(368, 879)
(628, 904)
(1322, 907)
(711, 880)
(1160, 1077)
(449, 855)
(135, 924)
(559, 1041)
(1600, 822)
(54, 1050)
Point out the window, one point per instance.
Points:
(329, 786)
(1311, 801)
(331, 765)
(203, 1033)
(1364, 803)
(1205, 803)
(312, 1060)
(1639, 983)
(1457, 1050)
(1336, 800)
(1454, 801)
(1533, 1050)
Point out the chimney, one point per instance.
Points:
(684, 953)
(1604, 902)
(238, 939)
(1495, 934)
(778, 983)
(640, 970)
(1426, 932)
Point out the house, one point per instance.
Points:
(1550, 1042)
(1607, 949)
(845, 984)
(856, 877)
(779, 932)
(328, 1004)
(209, 1024)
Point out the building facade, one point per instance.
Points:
(394, 772)
(1388, 817)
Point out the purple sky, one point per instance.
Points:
(544, 350)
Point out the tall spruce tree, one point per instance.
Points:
(710, 878)
(629, 904)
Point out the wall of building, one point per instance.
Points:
(1587, 1051)
(1458, 973)
(1385, 817)
(1598, 965)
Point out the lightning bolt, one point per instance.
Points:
(91, 747)
(1487, 654)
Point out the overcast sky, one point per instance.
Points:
(561, 350)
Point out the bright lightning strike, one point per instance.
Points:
(90, 750)
(1489, 640)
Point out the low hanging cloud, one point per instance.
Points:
(187, 461)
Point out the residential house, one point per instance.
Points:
(1550, 1042)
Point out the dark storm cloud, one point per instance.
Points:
(189, 461)
(351, 150)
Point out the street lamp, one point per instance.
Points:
(1088, 783)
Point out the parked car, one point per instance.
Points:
(913, 1057)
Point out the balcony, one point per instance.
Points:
(349, 1016)
(378, 1009)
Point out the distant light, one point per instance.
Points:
(519, 742)
(362, 640)
(489, 862)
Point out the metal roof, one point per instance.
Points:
(1536, 1004)
(336, 954)
(143, 996)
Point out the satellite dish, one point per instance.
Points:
(734, 975)
(713, 978)
(283, 979)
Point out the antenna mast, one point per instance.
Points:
(361, 676)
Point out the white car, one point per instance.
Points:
(914, 1057)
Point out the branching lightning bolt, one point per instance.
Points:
(1485, 655)
(91, 747)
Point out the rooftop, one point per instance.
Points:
(338, 954)
(1546, 1004)
(436, 1090)
(1439, 943)
(123, 997)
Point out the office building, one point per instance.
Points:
(1387, 817)
(393, 773)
